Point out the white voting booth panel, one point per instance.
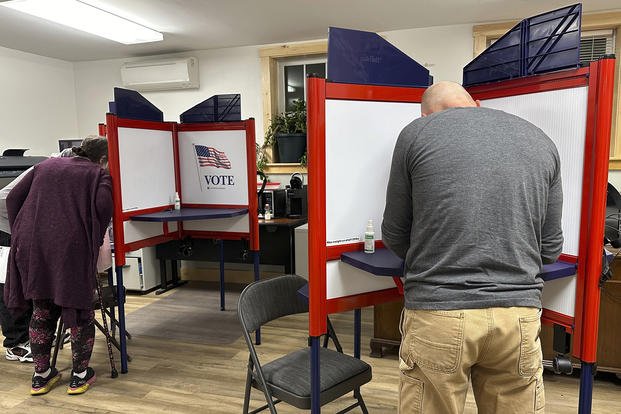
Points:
(147, 168)
(140, 230)
(561, 114)
(225, 183)
(360, 138)
(239, 224)
(345, 280)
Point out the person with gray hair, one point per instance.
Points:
(473, 206)
(58, 214)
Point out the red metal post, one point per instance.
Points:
(316, 148)
(601, 150)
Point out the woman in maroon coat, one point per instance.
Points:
(58, 214)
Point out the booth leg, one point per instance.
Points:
(586, 387)
(315, 381)
(121, 305)
(357, 332)
(163, 278)
(221, 252)
(257, 275)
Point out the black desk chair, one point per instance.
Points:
(287, 378)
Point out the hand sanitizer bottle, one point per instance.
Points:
(369, 238)
(268, 213)
(177, 202)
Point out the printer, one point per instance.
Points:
(13, 163)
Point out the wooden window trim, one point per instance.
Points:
(269, 77)
(609, 20)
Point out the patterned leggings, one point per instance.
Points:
(43, 323)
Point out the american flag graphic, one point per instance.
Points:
(211, 157)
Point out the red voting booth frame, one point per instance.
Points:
(119, 217)
(319, 90)
(110, 129)
(598, 77)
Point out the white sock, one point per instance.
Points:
(44, 374)
(81, 375)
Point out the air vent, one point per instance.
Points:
(595, 44)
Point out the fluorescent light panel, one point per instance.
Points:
(87, 18)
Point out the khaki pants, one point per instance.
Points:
(498, 348)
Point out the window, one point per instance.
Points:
(272, 83)
(292, 74)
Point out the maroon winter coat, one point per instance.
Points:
(58, 214)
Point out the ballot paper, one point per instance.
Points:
(4, 259)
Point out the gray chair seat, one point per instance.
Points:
(340, 373)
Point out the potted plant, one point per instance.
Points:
(288, 132)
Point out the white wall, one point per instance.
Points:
(45, 99)
(221, 71)
(37, 102)
(444, 50)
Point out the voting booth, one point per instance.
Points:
(532, 72)
(207, 168)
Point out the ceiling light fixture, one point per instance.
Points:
(87, 18)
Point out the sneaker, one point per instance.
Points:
(19, 353)
(42, 385)
(81, 385)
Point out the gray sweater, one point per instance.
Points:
(473, 205)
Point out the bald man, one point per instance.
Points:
(473, 206)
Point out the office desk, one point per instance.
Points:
(277, 247)
(278, 242)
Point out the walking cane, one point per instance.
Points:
(113, 372)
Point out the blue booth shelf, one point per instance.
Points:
(185, 214)
(385, 263)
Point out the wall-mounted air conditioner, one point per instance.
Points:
(161, 75)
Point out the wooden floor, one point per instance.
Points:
(173, 377)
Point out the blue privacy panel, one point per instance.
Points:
(543, 43)
(554, 40)
(218, 108)
(130, 104)
(366, 58)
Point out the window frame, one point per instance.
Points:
(294, 61)
(269, 57)
(598, 21)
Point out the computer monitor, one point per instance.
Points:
(68, 143)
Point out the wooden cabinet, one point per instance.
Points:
(386, 335)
